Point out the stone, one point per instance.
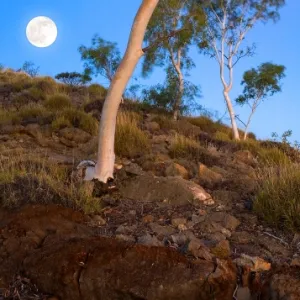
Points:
(125, 238)
(295, 262)
(222, 249)
(173, 190)
(97, 220)
(216, 237)
(149, 240)
(11, 244)
(178, 221)
(175, 169)
(161, 230)
(148, 219)
(244, 156)
(133, 169)
(199, 250)
(227, 221)
(255, 264)
(243, 293)
(241, 237)
(207, 175)
(152, 126)
(126, 229)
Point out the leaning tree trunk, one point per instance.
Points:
(106, 157)
(234, 127)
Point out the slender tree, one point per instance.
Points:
(104, 167)
(101, 58)
(164, 95)
(30, 68)
(227, 24)
(259, 84)
(173, 26)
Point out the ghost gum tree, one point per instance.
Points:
(173, 25)
(259, 84)
(227, 24)
(104, 167)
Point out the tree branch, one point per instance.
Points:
(163, 39)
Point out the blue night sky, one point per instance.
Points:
(78, 20)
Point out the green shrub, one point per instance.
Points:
(58, 102)
(60, 122)
(97, 91)
(78, 119)
(278, 197)
(130, 140)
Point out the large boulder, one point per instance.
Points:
(173, 190)
(98, 268)
(175, 169)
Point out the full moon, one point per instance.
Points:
(41, 32)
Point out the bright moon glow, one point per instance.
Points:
(41, 32)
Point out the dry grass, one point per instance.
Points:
(130, 140)
(58, 102)
(96, 91)
(77, 118)
(32, 179)
(188, 148)
(273, 157)
(278, 198)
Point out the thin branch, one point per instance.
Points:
(163, 39)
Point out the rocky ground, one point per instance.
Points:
(168, 228)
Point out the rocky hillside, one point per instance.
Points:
(191, 214)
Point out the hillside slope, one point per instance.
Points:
(191, 214)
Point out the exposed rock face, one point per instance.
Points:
(172, 190)
(175, 169)
(64, 259)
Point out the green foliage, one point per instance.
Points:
(30, 68)
(71, 78)
(60, 122)
(58, 102)
(1, 67)
(261, 83)
(278, 197)
(97, 91)
(76, 118)
(130, 140)
(165, 95)
(169, 35)
(102, 58)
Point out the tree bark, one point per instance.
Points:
(234, 127)
(176, 110)
(106, 157)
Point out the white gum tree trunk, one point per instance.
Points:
(106, 157)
